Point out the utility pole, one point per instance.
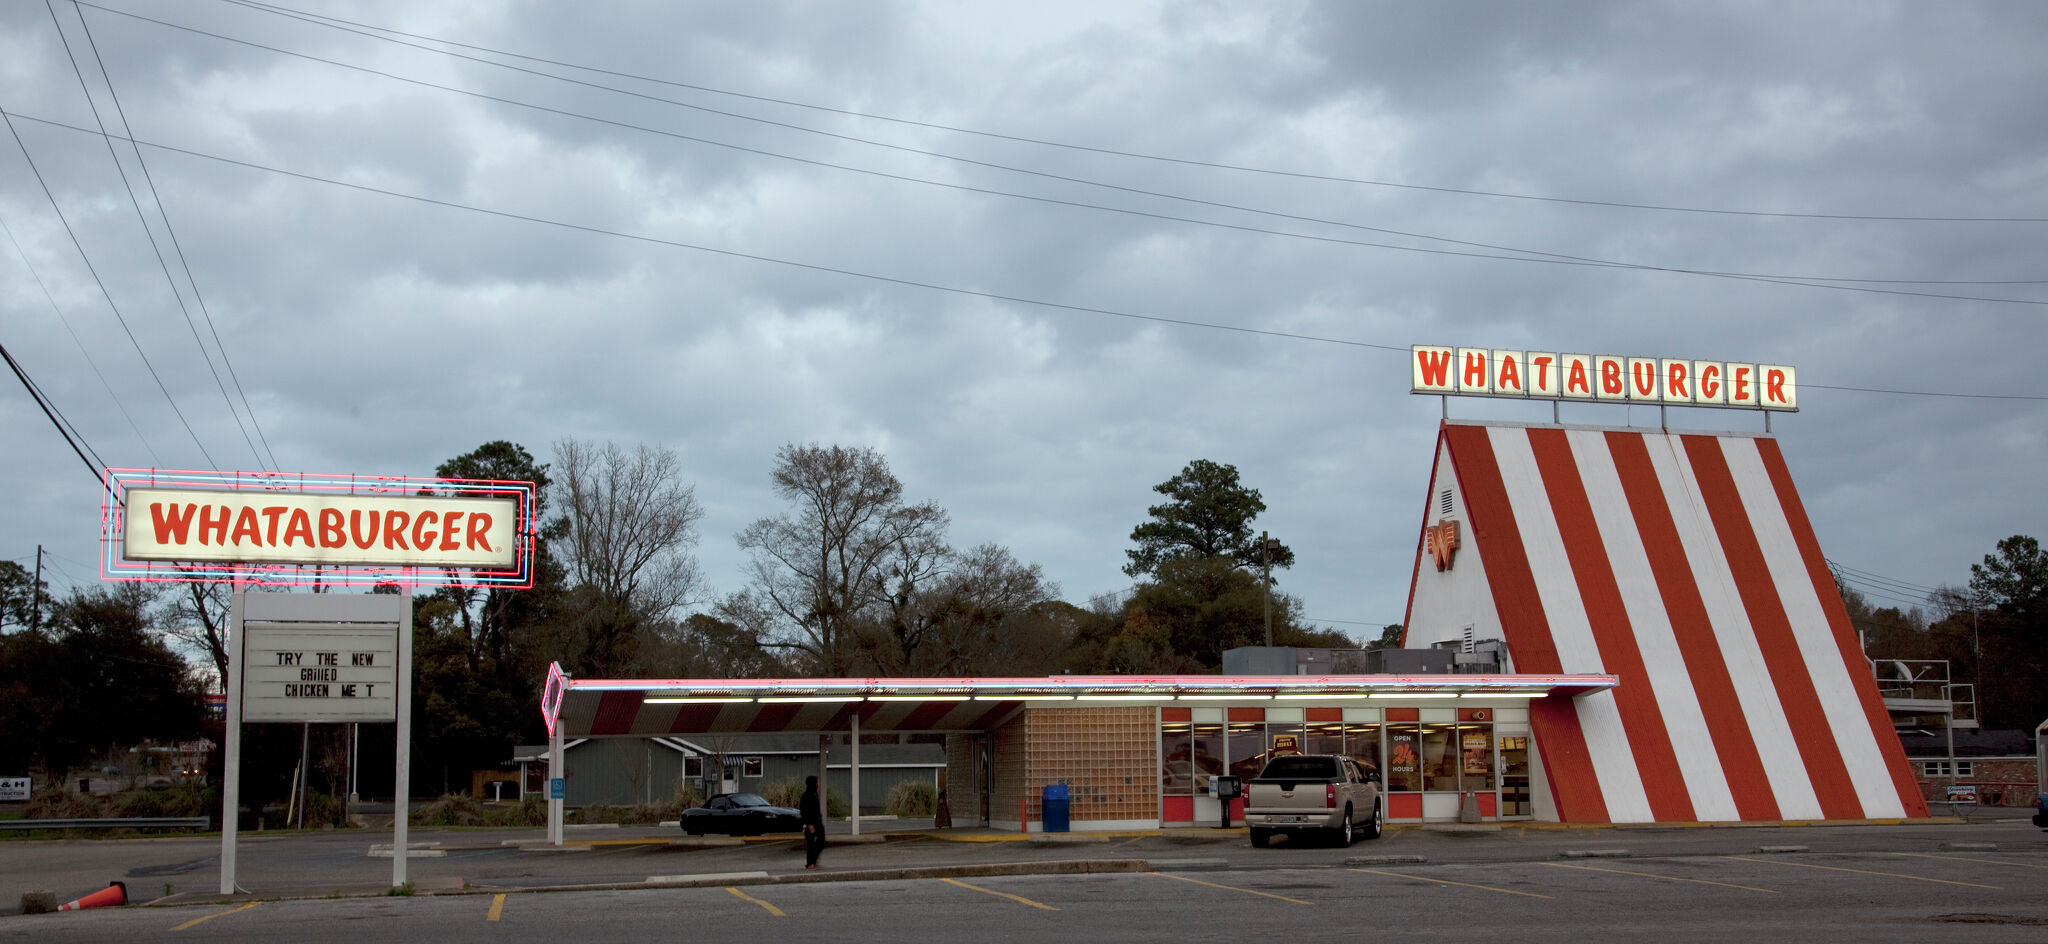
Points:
(35, 618)
(1266, 581)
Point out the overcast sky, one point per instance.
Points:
(1040, 255)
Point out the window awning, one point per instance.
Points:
(649, 707)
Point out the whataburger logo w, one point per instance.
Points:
(1440, 541)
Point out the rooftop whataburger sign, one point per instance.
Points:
(1661, 381)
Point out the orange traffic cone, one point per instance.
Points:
(115, 893)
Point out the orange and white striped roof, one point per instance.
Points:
(1685, 566)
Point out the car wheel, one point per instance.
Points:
(1260, 837)
(1345, 830)
(1375, 825)
(692, 830)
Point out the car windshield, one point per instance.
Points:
(749, 799)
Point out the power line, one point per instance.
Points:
(1214, 165)
(1526, 255)
(169, 230)
(1844, 568)
(82, 349)
(9, 118)
(807, 266)
(36, 394)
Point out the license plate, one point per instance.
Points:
(1290, 819)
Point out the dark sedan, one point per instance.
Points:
(740, 814)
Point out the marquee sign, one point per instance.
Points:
(305, 529)
(1483, 372)
(320, 672)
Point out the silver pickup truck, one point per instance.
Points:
(1323, 793)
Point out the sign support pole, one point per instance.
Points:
(231, 757)
(555, 771)
(401, 793)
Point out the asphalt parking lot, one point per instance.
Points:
(328, 863)
(1879, 881)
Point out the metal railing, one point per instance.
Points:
(118, 822)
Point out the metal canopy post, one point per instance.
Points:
(853, 777)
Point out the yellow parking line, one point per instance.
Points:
(1445, 881)
(1016, 898)
(1668, 878)
(746, 897)
(497, 907)
(214, 915)
(1929, 855)
(1233, 888)
(1832, 868)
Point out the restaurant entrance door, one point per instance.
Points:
(1515, 802)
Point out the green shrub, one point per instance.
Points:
(532, 810)
(784, 792)
(452, 810)
(55, 802)
(913, 798)
(790, 793)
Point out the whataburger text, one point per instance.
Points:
(312, 528)
(1483, 372)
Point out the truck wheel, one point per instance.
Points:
(1260, 837)
(1373, 826)
(1344, 831)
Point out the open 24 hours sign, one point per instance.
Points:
(320, 672)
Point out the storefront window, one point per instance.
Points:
(1475, 745)
(1323, 738)
(1362, 744)
(1404, 757)
(1247, 749)
(1176, 759)
(1439, 757)
(1283, 739)
(1208, 740)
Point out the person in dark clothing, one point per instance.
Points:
(812, 812)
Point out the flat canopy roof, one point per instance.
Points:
(646, 707)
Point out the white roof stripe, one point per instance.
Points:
(1614, 761)
(1769, 727)
(1670, 682)
(1839, 701)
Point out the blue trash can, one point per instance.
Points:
(1053, 808)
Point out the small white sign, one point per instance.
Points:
(14, 789)
(320, 672)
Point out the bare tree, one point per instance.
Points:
(820, 568)
(631, 524)
(969, 613)
(197, 618)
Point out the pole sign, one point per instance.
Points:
(303, 672)
(1484, 372)
(299, 529)
(14, 789)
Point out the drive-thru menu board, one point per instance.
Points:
(320, 672)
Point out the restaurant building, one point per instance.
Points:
(1664, 642)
